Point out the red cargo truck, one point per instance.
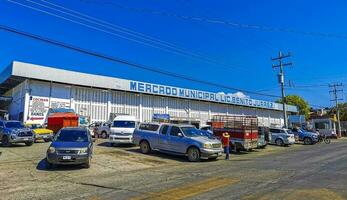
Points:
(56, 121)
(243, 130)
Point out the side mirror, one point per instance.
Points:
(180, 135)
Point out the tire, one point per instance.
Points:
(29, 143)
(307, 141)
(236, 150)
(327, 140)
(5, 141)
(104, 135)
(279, 142)
(87, 164)
(193, 154)
(145, 147)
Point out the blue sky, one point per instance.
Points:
(241, 57)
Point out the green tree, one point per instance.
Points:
(295, 100)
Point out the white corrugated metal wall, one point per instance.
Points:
(99, 103)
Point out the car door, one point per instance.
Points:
(177, 143)
(274, 133)
(164, 138)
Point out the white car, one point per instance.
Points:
(122, 129)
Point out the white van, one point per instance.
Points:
(122, 129)
(325, 127)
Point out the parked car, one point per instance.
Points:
(71, 146)
(281, 136)
(305, 136)
(15, 132)
(178, 140)
(41, 133)
(263, 134)
(122, 129)
(93, 128)
(103, 131)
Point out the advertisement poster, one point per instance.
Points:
(38, 108)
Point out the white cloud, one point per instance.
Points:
(240, 94)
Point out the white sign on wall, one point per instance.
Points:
(38, 108)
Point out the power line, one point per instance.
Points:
(126, 62)
(228, 23)
(138, 37)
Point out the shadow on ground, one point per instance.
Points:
(43, 166)
(161, 155)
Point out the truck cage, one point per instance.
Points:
(235, 122)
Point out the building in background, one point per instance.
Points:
(35, 89)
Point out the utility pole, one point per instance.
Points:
(280, 65)
(335, 89)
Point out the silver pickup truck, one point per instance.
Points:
(178, 140)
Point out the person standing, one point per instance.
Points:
(226, 145)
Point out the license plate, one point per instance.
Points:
(66, 157)
(25, 138)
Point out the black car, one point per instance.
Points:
(71, 146)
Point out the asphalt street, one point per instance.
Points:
(297, 172)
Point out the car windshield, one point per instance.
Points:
(35, 126)
(14, 125)
(72, 136)
(124, 124)
(207, 134)
(191, 132)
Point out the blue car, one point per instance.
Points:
(305, 136)
(70, 146)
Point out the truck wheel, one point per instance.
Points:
(279, 142)
(144, 147)
(5, 142)
(193, 154)
(29, 143)
(307, 141)
(46, 140)
(104, 135)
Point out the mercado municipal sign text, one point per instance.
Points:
(199, 95)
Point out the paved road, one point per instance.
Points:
(299, 172)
